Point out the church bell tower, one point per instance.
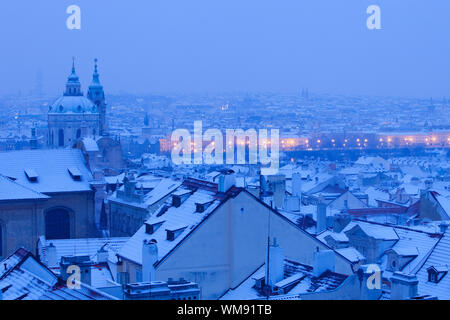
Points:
(97, 96)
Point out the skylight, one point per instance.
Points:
(31, 174)
(75, 173)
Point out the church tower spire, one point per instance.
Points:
(97, 96)
(73, 85)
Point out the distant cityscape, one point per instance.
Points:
(92, 206)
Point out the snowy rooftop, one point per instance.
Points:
(184, 218)
(51, 168)
(298, 279)
(11, 190)
(80, 247)
(24, 278)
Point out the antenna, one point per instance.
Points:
(268, 290)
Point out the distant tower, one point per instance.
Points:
(73, 85)
(72, 116)
(97, 96)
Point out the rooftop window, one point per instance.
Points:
(150, 228)
(75, 173)
(437, 273)
(31, 174)
(172, 234)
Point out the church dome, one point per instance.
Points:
(73, 104)
(73, 100)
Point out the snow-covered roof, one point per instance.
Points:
(80, 247)
(351, 254)
(164, 187)
(375, 231)
(11, 190)
(440, 256)
(90, 145)
(183, 217)
(51, 167)
(444, 203)
(22, 277)
(300, 277)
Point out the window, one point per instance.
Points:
(172, 234)
(78, 133)
(432, 277)
(61, 138)
(57, 224)
(394, 264)
(437, 273)
(138, 276)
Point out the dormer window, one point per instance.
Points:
(31, 174)
(172, 234)
(437, 273)
(75, 173)
(202, 206)
(151, 228)
(179, 197)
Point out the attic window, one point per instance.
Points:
(176, 201)
(31, 174)
(201, 207)
(150, 228)
(75, 173)
(436, 273)
(179, 197)
(172, 234)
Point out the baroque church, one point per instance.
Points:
(73, 116)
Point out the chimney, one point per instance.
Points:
(403, 286)
(321, 217)
(149, 258)
(102, 255)
(297, 185)
(274, 264)
(323, 261)
(227, 181)
(51, 255)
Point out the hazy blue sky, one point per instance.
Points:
(158, 46)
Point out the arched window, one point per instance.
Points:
(57, 224)
(78, 133)
(61, 137)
